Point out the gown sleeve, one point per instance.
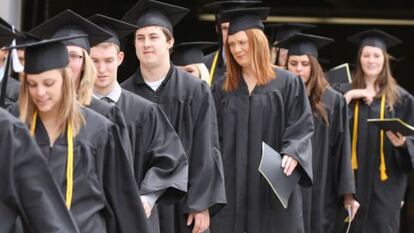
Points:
(298, 129)
(120, 187)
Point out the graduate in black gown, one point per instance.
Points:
(11, 93)
(69, 23)
(189, 106)
(333, 185)
(160, 162)
(216, 61)
(82, 148)
(27, 188)
(281, 31)
(189, 56)
(258, 103)
(381, 160)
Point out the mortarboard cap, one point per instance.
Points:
(375, 38)
(26, 37)
(154, 13)
(190, 52)
(219, 6)
(304, 44)
(246, 18)
(285, 30)
(271, 169)
(68, 23)
(6, 36)
(117, 28)
(44, 55)
(396, 125)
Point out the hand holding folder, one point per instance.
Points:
(271, 169)
(395, 125)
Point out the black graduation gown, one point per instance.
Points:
(381, 200)
(332, 171)
(160, 162)
(114, 114)
(12, 89)
(105, 196)
(27, 188)
(220, 67)
(189, 106)
(278, 114)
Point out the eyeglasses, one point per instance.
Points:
(75, 57)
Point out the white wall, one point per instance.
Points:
(11, 11)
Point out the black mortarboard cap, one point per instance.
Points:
(375, 38)
(304, 44)
(117, 28)
(46, 54)
(246, 18)
(219, 6)
(68, 23)
(154, 13)
(6, 36)
(285, 30)
(190, 52)
(26, 37)
(271, 169)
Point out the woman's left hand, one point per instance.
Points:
(398, 140)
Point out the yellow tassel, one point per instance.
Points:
(383, 169)
(355, 137)
(213, 68)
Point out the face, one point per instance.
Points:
(224, 31)
(152, 47)
(372, 61)
(192, 69)
(239, 47)
(283, 55)
(3, 54)
(20, 56)
(106, 59)
(45, 89)
(75, 62)
(300, 65)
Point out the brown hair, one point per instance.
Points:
(385, 81)
(87, 80)
(69, 109)
(316, 86)
(260, 55)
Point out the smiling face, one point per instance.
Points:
(106, 58)
(372, 61)
(152, 46)
(300, 65)
(45, 90)
(239, 47)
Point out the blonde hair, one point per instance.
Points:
(385, 81)
(87, 80)
(259, 54)
(69, 109)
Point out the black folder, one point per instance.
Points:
(271, 169)
(393, 124)
(339, 74)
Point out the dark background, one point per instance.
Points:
(191, 29)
